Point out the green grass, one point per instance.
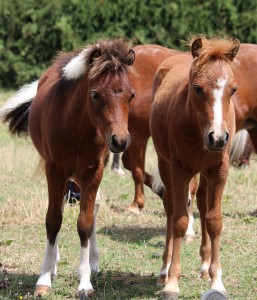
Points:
(130, 245)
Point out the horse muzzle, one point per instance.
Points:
(217, 142)
(118, 144)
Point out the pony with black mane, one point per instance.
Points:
(77, 110)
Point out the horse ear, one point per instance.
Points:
(233, 51)
(196, 46)
(131, 57)
(94, 54)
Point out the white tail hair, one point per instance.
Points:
(238, 146)
(24, 95)
(157, 184)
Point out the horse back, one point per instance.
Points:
(245, 99)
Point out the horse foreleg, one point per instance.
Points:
(53, 224)
(90, 182)
(205, 248)
(179, 221)
(216, 183)
(193, 186)
(164, 177)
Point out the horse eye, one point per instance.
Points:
(233, 90)
(197, 88)
(132, 96)
(95, 95)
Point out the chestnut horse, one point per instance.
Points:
(192, 123)
(80, 110)
(148, 58)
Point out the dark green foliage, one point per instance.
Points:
(32, 32)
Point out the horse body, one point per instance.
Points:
(192, 122)
(147, 60)
(79, 111)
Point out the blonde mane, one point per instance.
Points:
(213, 49)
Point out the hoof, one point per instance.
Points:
(189, 238)
(170, 296)
(162, 280)
(85, 294)
(214, 295)
(133, 209)
(41, 290)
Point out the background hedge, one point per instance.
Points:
(32, 32)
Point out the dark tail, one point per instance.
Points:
(15, 111)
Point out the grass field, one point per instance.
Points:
(130, 245)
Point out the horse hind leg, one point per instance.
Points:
(53, 225)
(193, 186)
(93, 252)
(134, 160)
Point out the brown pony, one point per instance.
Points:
(192, 122)
(79, 110)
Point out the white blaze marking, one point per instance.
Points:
(76, 66)
(217, 107)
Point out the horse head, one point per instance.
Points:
(212, 84)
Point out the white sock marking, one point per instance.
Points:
(49, 265)
(84, 270)
(217, 282)
(165, 271)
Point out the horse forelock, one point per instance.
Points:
(212, 50)
(95, 60)
(114, 58)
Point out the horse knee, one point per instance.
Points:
(85, 229)
(53, 226)
(213, 224)
(180, 225)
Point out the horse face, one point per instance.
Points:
(212, 89)
(109, 100)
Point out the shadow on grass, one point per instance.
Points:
(107, 286)
(121, 285)
(132, 234)
(16, 286)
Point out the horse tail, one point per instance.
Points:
(237, 147)
(157, 184)
(15, 111)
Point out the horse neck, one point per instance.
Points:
(78, 107)
(191, 116)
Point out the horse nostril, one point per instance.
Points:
(226, 137)
(115, 141)
(211, 138)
